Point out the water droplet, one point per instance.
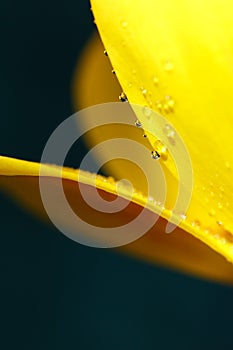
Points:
(170, 102)
(159, 105)
(212, 194)
(156, 81)
(155, 155)
(144, 91)
(111, 180)
(168, 66)
(219, 223)
(161, 149)
(145, 136)
(124, 184)
(113, 71)
(134, 71)
(220, 205)
(196, 224)
(227, 164)
(170, 133)
(138, 124)
(182, 216)
(146, 111)
(124, 24)
(165, 108)
(123, 97)
(130, 84)
(151, 199)
(212, 212)
(105, 52)
(207, 231)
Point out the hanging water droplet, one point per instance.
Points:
(161, 149)
(138, 124)
(156, 81)
(168, 66)
(123, 97)
(113, 71)
(105, 52)
(155, 155)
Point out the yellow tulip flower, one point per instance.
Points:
(177, 63)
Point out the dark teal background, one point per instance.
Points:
(55, 293)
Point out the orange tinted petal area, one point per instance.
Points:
(178, 250)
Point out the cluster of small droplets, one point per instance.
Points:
(166, 105)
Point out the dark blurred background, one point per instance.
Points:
(55, 293)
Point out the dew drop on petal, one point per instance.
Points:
(147, 111)
(227, 164)
(161, 149)
(170, 133)
(144, 91)
(156, 81)
(138, 124)
(168, 66)
(219, 223)
(182, 216)
(155, 155)
(212, 212)
(196, 224)
(124, 24)
(123, 97)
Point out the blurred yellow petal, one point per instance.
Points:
(176, 58)
(180, 250)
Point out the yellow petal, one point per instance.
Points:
(180, 250)
(176, 58)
